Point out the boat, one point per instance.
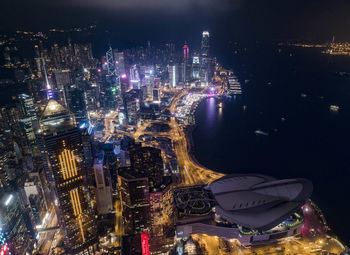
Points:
(334, 108)
(234, 86)
(260, 132)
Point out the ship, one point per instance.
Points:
(234, 86)
(334, 108)
(260, 132)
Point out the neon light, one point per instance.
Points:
(7, 202)
(68, 164)
(82, 125)
(145, 243)
(49, 93)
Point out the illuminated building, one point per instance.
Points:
(62, 78)
(205, 44)
(186, 63)
(173, 71)
(255, 209)
(145, 243)
(195, 66)
(110, 63)
(9, 167)
(14, 228)
(148, 162)
(103, 186)
(63, 156)
(29, 122)
(134, 192)
(162, 219)
(120, 62)
(132, 101)
(134, 77)
(76, 103)
(35, 199)
(124, 83)
(204, 58)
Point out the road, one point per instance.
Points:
(46, 238)
(287, 246)
(119, 230)
(191, 173)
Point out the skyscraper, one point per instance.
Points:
(75, 98)
(14, 226)
(195, 66)
(204, 58)
(103, 186)
(119, 62)
(205, 44)
(64, 162)
(173, 75)
(149, 162)
(134, 191)
(186, 63)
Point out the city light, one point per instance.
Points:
(106, 125)
(8, 200)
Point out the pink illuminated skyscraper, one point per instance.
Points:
(186, 53)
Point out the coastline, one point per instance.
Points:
(188, 130)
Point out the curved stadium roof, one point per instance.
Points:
(257, 201)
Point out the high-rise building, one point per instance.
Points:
(148, 161)
(119, 62)
(29, 123)
(204, 58)
(195, 66)
(156, 95)
(62, 78)
(205, 44)
(15, 229)
(76, 102)
(134, 192)
(63, 155)
(186, 63)
(173, 71)
(132, 101)
(103, 186)
(135, 77)
(162, 219)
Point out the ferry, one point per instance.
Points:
(234, 86)
(334, 108)
(260, 132)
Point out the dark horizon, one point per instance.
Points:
(229, 20)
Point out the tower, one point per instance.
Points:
(186, 63)
(204, 58)
(63, 155)
(48, 87)
(186, 53)
(110, 62)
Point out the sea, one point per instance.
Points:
(287, 94)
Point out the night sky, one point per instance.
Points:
(136, 20)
